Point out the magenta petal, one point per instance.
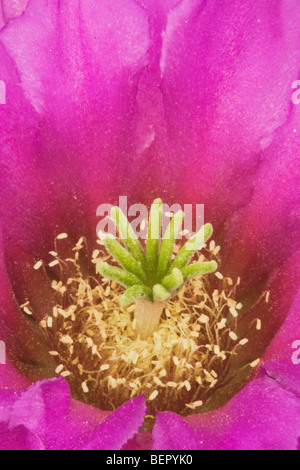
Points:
(79, 70)
(10, 378)
(171, 432)
(281, 345)
(46, 411)
(43, 409)
(2, 23)
(137, 109)
(43, 403)
(263, 416)
(21, 340)
(119, 427)
(286, 373)
(227, 70)
(29, 218)
(282, 358)
(18, 438)
(7, 400)
(276, 315)
(13, 8)
(267, 231)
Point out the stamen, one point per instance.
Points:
(38, 265)
(173, 339)
(62, 236)
(95, 344)
(255, 363)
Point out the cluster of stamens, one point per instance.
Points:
(94, 343)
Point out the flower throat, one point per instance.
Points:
(173, 333)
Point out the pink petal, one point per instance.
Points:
(227, 70)
(24, 220)
(19, 438)
(13, 8)
(119, 427)
(263, 234)
(45, 401)
(283, 285)
(286, 372)
(263, 416)
(47, 412)
(2, 23)
(282, 358)
(21, 339)
(185, 127)
(171, 432)
(10, 378)
(281, 346)
(281, 361)
(83, 92)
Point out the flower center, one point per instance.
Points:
(178, 368)
(173, 341)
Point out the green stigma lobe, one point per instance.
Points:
(198, 269)
(194, 244)
(174, 280)
(119, 275)
(167, 245)
(154, 235)
(134, 293)
(127, 234)
(152, 276)
(160, 294)
(124, 258)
